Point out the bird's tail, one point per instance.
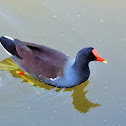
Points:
(9, 45)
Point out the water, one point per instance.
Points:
(67, 26)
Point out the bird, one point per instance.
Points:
(50, 65)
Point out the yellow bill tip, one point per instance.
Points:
(104, 61)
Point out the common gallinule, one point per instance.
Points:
(49, 65)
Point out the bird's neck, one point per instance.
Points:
(81, 65)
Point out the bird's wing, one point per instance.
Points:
(41, 60)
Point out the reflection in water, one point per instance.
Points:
(80, 102)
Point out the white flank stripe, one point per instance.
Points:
(9, 38)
